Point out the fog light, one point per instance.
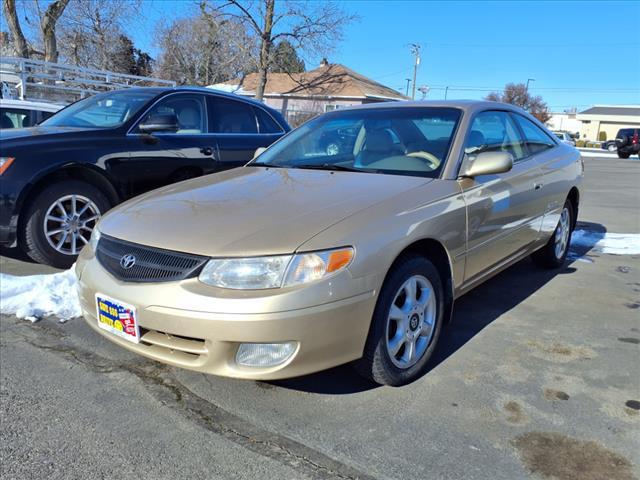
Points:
(264, 354)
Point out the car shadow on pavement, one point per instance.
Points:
(15, 254)
(472, 313)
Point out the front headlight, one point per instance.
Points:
(5, 162)
(95, 238)
(258, 273)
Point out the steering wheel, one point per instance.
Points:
(430, 158)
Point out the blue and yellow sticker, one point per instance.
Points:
(116, 317)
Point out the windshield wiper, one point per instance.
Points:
(328, 166)
(266, 165)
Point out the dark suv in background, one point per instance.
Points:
(627, 142)
(56, 180)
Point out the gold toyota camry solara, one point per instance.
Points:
(346, 241)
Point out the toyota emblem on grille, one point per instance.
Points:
(128, 261)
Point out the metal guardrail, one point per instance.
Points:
(59, 77)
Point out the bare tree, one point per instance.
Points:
(312, 27)
(20, 45)
(518, 94)
(203, 50)
(93, 31)
(48, 21)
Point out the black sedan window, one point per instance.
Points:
(106, 110)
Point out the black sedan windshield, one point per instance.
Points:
(106, 110)
(401, 140)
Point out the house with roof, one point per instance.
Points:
(608, 119)
(300, 96)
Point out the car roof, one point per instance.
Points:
(28, 104)
(469, 106)
(220, 93)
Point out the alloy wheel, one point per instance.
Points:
(563, 231)
(68, 223)
(411, 322)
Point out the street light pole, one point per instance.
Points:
(407, 89)
(415, 50)
(529, 80)
(445, 91)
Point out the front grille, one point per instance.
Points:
(151, 264)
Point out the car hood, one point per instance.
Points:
(42, 132)
(251, 210)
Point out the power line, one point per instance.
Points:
(533, 45)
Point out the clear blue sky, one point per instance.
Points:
(579, 53)
(572, 49)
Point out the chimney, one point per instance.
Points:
(324, 62)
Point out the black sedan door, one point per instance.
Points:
(163, 158)
(239, 128)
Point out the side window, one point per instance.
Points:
(189, 109)
(495, 132)
(14, 118)
(266, 123)
(45, 115)
(231, 116)
(537, 140)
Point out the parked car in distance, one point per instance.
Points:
(627, 142)
(57, 179)
(336, 141)
(303, 260)
(24, 113)
(610, 146)
(565, 137)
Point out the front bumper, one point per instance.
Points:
(8, 212)
(8, 233)
(206, 339)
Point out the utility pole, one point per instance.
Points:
(446, 90)
(406, 93)
(529, 80)
(415, 50)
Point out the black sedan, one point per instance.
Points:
(56, 180)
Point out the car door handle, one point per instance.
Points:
(207, 151)
(537, 186)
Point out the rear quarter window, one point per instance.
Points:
(536, 139)
(266, 123)
(231, 116)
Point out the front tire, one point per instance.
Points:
(554, 253)
(406, 323)
(59, 221)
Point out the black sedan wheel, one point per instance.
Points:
(59, 222)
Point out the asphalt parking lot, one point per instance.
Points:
(536, 378)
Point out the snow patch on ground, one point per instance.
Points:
(36, 296)
(612, 243)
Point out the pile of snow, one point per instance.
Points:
(37, 296)
(612, 243)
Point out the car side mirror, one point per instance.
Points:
(488, 163)
(165, 122)
(258, 152)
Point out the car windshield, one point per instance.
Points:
(400, 141)
(106, 110)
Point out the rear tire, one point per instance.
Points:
(623, 155)
(405, 326)
(554, 253)
(612, 147)
(69, 207)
